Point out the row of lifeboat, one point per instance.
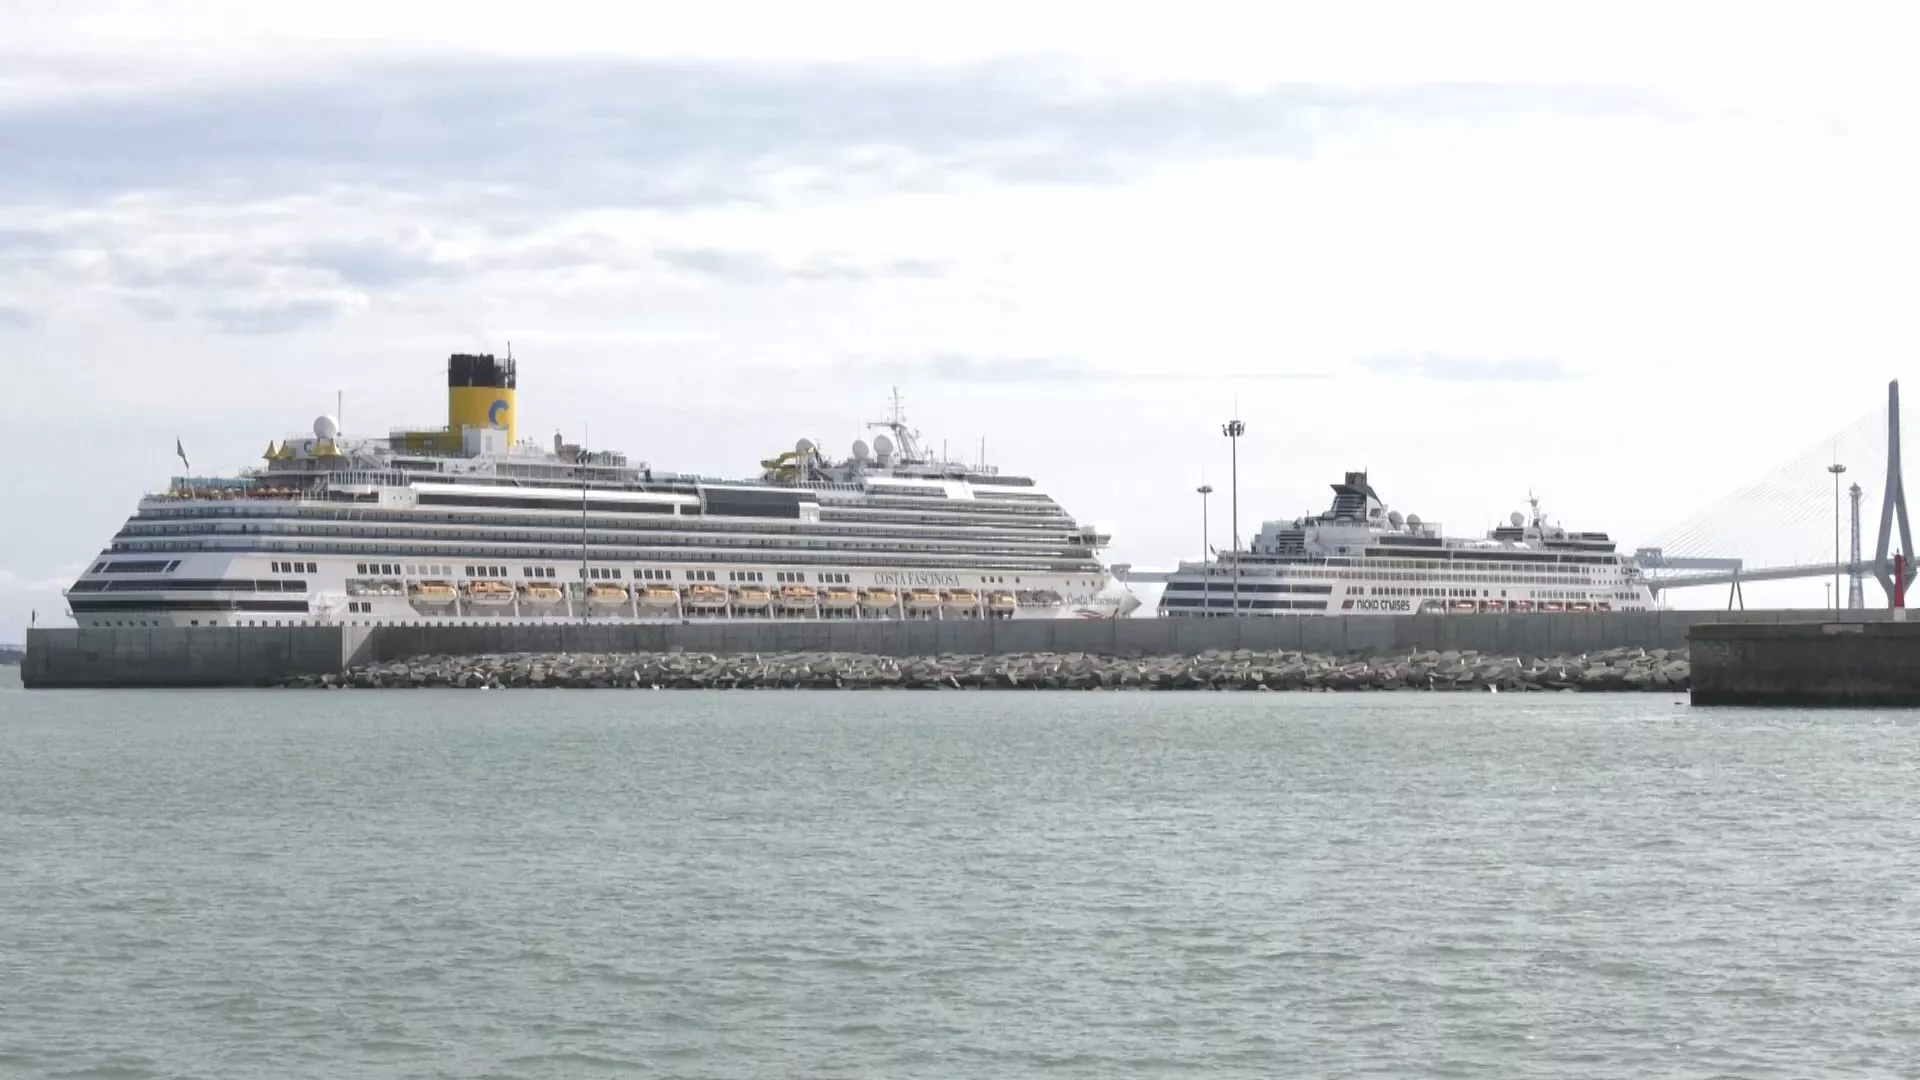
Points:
(710, 597)
(1464, 607)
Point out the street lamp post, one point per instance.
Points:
(1836, 469)
(1206, 554)
(1233, 429)
(583, 533)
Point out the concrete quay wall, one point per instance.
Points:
(1520, 635)
(178, 656)
(257, 656)
(1807, 663)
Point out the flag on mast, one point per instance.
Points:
(182, 451)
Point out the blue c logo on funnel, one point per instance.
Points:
(493, 413)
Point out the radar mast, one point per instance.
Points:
(906, 439)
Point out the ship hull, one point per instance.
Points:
(1599, 588)
(245, 589)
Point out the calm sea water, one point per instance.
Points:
(250, 884)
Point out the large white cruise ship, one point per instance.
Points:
(1358, 557)
(463, 524)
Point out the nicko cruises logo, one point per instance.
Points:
(1376, 605)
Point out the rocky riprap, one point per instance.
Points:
(1627, 669)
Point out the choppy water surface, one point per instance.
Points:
(887, 885)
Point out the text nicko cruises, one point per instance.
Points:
(1359, 558)
(464, 524)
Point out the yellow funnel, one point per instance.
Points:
(480, 393)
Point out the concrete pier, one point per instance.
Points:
(249, 656)
(1807, 663)
(179, 657)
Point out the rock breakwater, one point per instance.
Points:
(1625, 669)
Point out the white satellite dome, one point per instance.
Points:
(1413, 519)
(1518, 519)
(882, 446)
(1394, 517)
(861, 450)
(326, 427)
(804, 446)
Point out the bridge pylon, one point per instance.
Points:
(1893, 506)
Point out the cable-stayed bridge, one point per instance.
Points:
(1837, 509)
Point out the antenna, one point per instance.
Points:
(907, 439)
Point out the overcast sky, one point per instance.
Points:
(1622, 255)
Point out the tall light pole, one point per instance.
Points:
(583, 530)
(1206, 554)
(1233, 429)
(1856, 574)
(1836, 469)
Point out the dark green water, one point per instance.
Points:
(396, 884)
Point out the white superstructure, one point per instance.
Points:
(1358, 557)
(464, 525)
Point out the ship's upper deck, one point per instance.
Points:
(1359, 523)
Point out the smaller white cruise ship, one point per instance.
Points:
(1359, 558)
